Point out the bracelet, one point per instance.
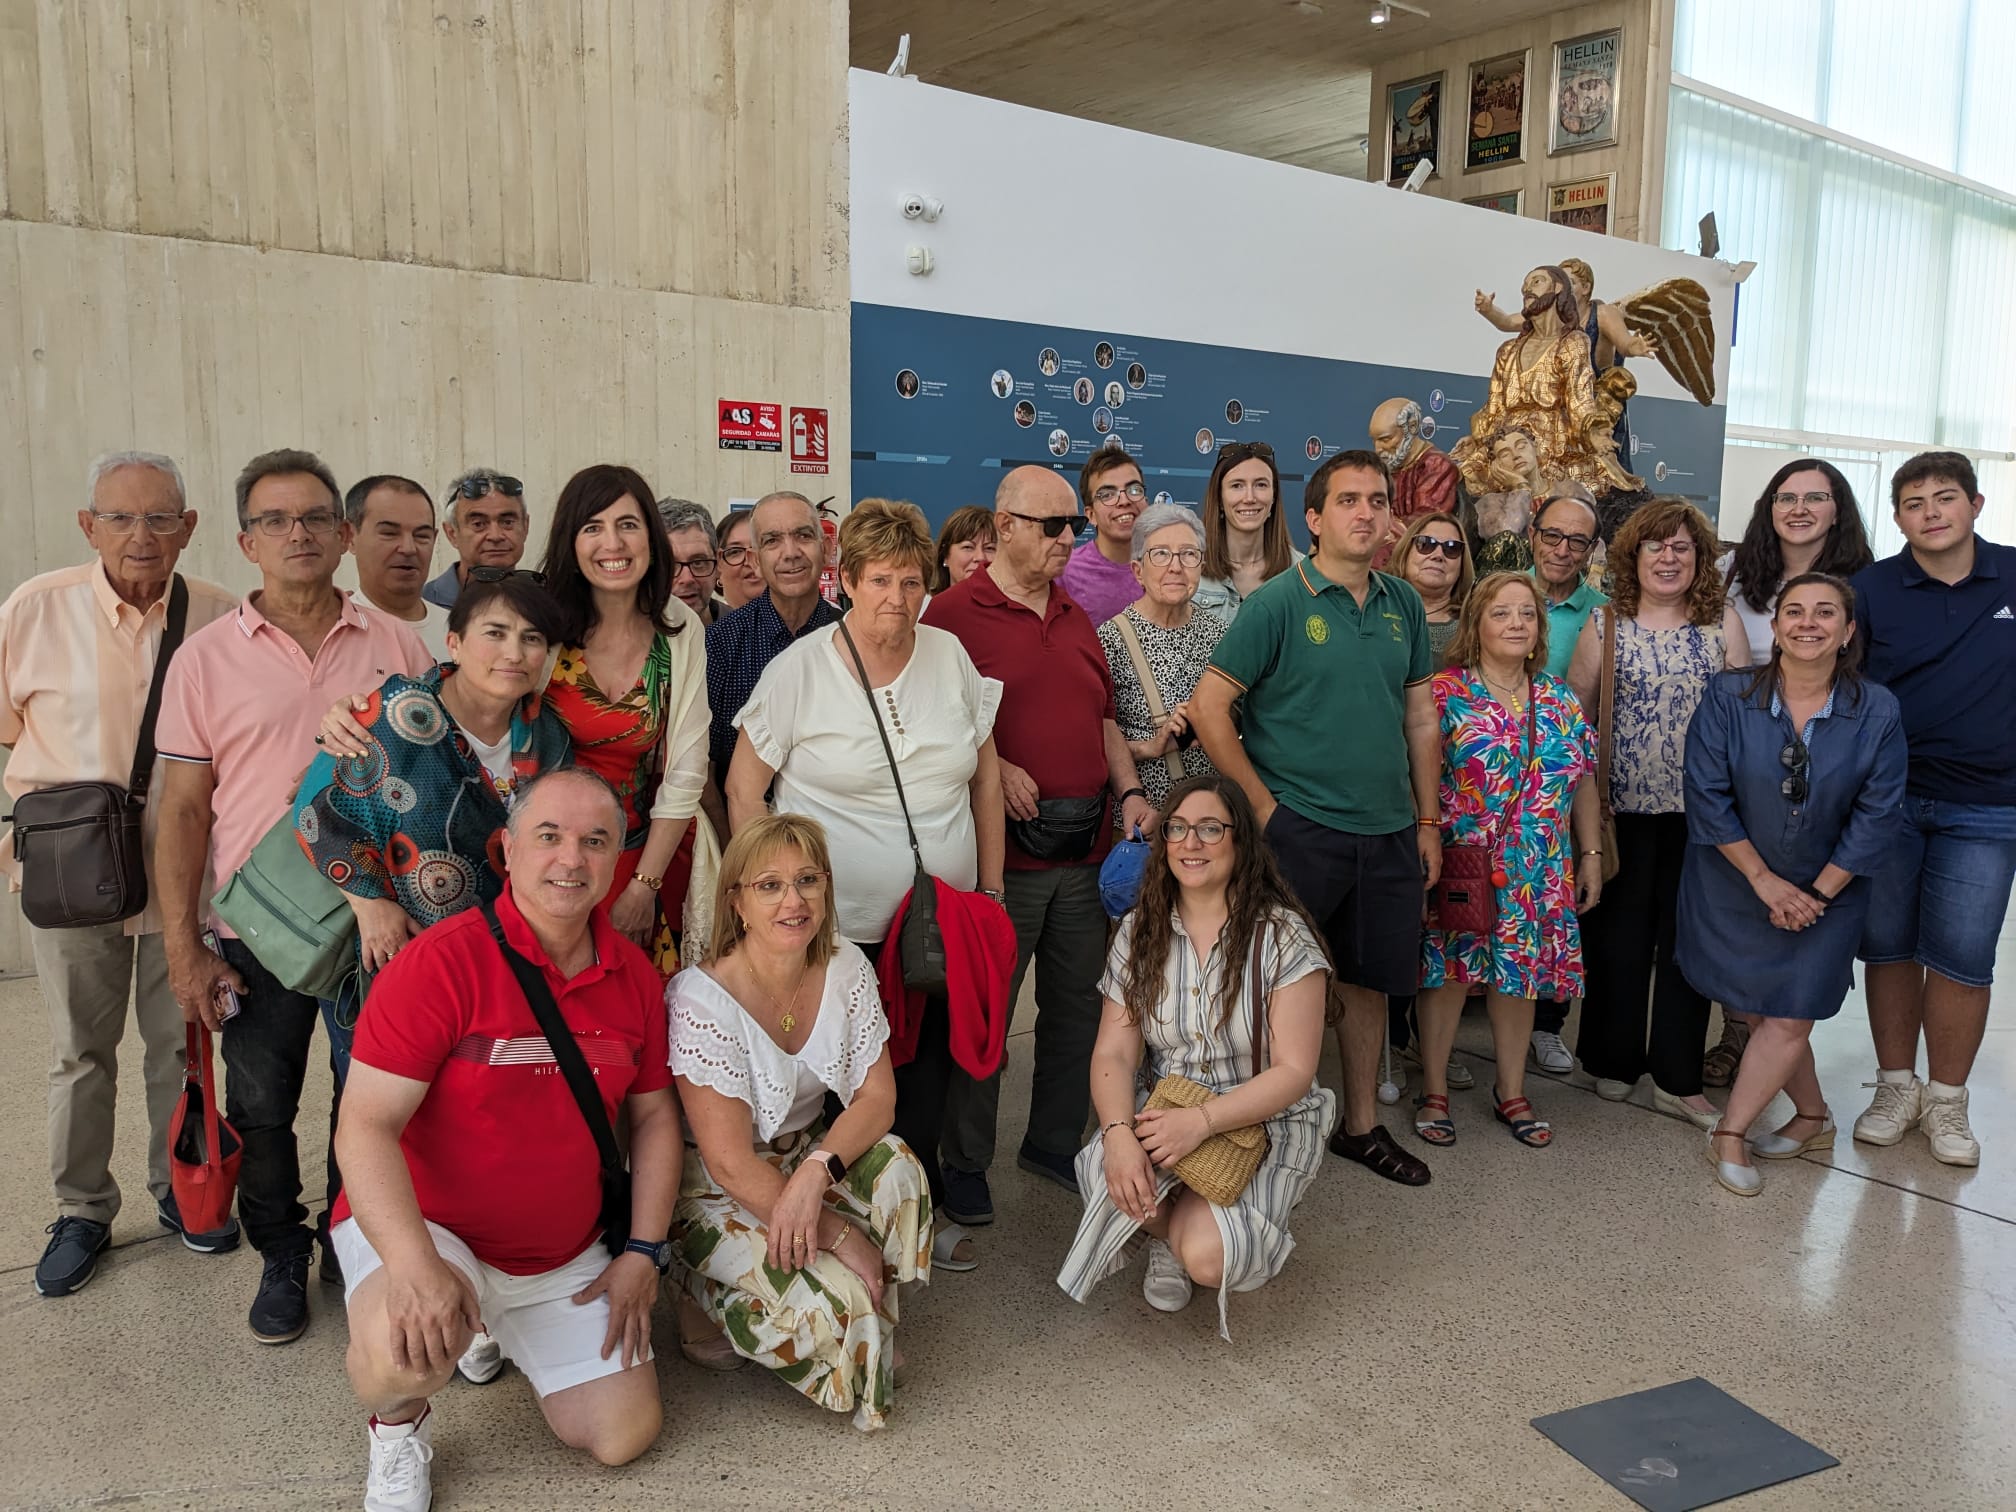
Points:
(1118, 1123)
(1429, 823)
(654, 883)
(1205, 1109)
(1592, 853)
(840, 1238)
(1133, 792)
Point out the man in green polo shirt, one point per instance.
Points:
(1563, 533)
(1342, 759)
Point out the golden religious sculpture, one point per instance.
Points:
(1544, 384)
(1670, 321)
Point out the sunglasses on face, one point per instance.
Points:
(1053, 525)
(1429, 545)
(476, 488)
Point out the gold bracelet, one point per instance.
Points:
(654, 883)
(840, 1238)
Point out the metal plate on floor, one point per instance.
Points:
(1678, 1447)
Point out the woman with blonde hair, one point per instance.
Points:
(1433, 556)
(1649, 655)
(794, 1233)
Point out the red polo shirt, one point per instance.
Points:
(1056, 689)
(498, 1150)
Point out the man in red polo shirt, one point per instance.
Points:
(471, 1195)
(1060, 752)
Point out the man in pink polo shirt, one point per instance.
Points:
(238, 717)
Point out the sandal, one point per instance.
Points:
(1376, 1151)
(1517, 1115)
(1718, 1066)
(945, 1249)
(1435, 1130)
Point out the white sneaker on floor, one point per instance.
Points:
(1166, 1286)
(1893, 1112)
(1550, 1055)
(481, 1361)
(1613, 1091)
(401, 1455)
(1945, 1124)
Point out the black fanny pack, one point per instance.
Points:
(1064, 829)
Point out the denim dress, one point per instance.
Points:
(1735, 775)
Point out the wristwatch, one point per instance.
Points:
(659, 1254)
(836, 1168)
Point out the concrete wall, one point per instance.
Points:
(1638, 159)
(410, 236)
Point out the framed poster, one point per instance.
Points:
(1508, 201)
(1583, 204)
(1584, 112)
(1496, 137)
(1413, 126)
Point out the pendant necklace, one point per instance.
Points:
(1514, 698)
(788, 1020)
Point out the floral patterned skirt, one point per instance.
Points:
(813, 1328)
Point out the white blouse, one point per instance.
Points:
(809, 721)
(716, 1044)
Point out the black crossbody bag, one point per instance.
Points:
(79, 843)
(921, 945)
(580, 1081)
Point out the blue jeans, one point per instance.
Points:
(1941, 894)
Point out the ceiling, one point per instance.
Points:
(1283, 79)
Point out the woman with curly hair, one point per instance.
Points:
(1805, 520)
(1219, 973)
(1650, 652)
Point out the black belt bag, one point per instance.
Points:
(79, 843)
(1064, 829)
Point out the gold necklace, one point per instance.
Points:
(788, 1017)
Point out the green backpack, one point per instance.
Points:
(294, 919)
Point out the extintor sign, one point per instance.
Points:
(751, 427)
(808, 440)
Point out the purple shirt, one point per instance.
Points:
(1099, 587)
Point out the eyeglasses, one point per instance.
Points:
(804, 535)
(278, 524)
(1429, 545)
(735, 555)
(699, 567)
(1666, 548)
(1209, 831)
(1787, 500)
(506, 575)
(1576, 543)
(121, 523)
(1162, 556)
(1053, 525)
(1239, 451)
(807, 884)
(476, 488)
(1797, 760)
(1109, 493)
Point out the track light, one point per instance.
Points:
(1381, 14)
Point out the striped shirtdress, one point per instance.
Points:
(1183, 1038)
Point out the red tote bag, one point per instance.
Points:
(203, 1149)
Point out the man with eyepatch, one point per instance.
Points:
(486, 521)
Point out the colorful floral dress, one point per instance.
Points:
(1536, 950)
(618, 739)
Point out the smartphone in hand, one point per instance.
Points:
(226, 997)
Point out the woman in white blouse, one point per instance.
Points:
(809, 737)
(794, 1234)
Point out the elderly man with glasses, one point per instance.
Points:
(696, 557)
(78, 652)
(1100, 575)
(231, 761)
(486, 521)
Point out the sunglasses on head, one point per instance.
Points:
(476, 488)
(506, 574)
(1053, 525)
(1239, 451)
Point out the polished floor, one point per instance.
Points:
(1867, 1301)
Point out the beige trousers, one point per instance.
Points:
(88, 976)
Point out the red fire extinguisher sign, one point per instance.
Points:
(808, 440)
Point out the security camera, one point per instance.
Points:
(1418, 177)
(922, 207)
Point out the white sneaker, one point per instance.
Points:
(1893, 1112)
(400, 1455)
(481, 1361)
(1945, 1124)
(1166, 1286)
(1550, 1055)
(1611, 1090)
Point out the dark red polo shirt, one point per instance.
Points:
(498, 1150)
(1056, 689)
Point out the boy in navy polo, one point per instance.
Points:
(1938, 628)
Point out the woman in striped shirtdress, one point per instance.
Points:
(1177, 982)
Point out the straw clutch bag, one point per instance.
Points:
(1219, 1169)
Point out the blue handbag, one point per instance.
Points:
(1120, 874)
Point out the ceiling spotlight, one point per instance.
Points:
(1381, 14)
(1383, 11)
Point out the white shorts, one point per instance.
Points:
(535, 1320)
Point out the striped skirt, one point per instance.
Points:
(1254, 1230)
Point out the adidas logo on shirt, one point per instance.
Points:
(2003, 613)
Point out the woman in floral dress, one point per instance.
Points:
(1518, 761)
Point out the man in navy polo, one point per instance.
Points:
(1938, 627)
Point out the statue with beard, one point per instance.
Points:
(1544, 383)
(1424, 481)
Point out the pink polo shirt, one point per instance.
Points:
(242, 696)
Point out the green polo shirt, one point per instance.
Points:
(1565, 621)
(1325, 694)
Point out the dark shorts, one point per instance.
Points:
(1942, 893)
(1364, 892)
